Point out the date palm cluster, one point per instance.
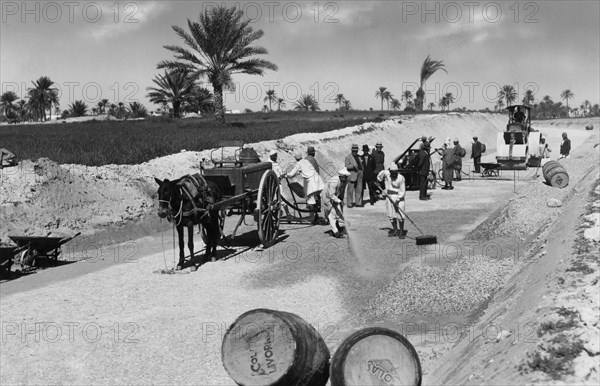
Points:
(43, 99)
(217, 46)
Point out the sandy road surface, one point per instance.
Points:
(124, 324)
(166, 328)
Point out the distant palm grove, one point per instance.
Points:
(220, 45)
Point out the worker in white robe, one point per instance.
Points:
(393, 185)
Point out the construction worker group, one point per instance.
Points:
(347, 186)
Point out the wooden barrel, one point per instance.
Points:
(556, 175)
(549, 166)
(268, 347)
(375, 356)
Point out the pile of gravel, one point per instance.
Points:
(528, 211)
(458, 287)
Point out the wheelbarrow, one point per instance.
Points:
(38, 247)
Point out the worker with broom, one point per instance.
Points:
(332, 198)
(394, 188)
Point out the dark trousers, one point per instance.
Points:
(476, 162)
(422, 186)
(370, 184)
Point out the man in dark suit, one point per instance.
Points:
(368, 163)
(476, 154)
(565, 146)
(423, 169)
(379, 157)
(354, 190)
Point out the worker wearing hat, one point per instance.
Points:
(354, 190)
(332, 198)
(459, 153)
(310, 156)
(394, 187)
(476, 152)
(379, 157)
(313, 183)
(565, 146)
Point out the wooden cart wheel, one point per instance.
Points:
(268, 205)
(222, 214)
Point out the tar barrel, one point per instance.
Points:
(268, 347)
(555, 174)
(375, 356)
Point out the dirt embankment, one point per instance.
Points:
(542, 326)
(40, 196)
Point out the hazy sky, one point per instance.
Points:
(96, 50)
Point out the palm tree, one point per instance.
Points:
(431, 106)
(7, 106)
(566, 95)
(388, 96)
(339, 99)
(346, 105)
(220, 46)
(428, 68)
(500, 104)
(305, 103)
(443, 102)
(449, 99)
(271, 97)
(200, 101)
(22, 110)
(137, 110)
(174, 87)
(42, 96)
(280, 103)
(395, 104)
(407, 96)
(78, 109)
(381, 94)
(508, 92)
(529, 98)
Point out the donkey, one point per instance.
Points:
(185, 210)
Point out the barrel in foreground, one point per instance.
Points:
(375, 356)
(268, 347)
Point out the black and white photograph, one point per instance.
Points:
(299, 193)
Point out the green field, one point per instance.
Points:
(97, 143)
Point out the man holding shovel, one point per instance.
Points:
(395, 190)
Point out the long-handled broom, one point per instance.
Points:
(421, 240)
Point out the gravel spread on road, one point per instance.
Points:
(423, 290)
